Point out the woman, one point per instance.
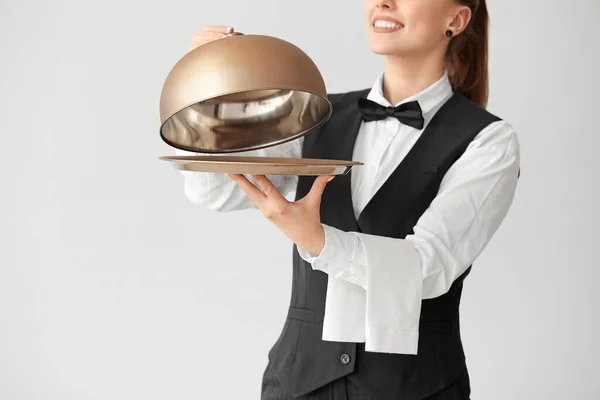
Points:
(380, 254)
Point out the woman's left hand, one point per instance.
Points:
(299, 220)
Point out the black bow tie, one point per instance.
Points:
(407, 113)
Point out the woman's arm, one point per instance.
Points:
(395, 275)
(473, 199)
(216, 191)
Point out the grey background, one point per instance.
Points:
(114, 286)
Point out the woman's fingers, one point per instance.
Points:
(219, 29)
(276, 203)
(267, 186)
(253, 193)
(268, 200)
(204, 38)
(208, 34)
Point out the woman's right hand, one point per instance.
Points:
(208, 34)
(216, 190)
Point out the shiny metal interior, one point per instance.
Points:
(245, 121)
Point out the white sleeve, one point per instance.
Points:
(218, 192)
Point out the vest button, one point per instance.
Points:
(345, 358)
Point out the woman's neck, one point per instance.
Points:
(406, 76)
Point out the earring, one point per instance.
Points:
(449, 33)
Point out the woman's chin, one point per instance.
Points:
(387, 50)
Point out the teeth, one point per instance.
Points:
(386, 24)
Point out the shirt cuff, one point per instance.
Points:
(339, 248)
(338, 257)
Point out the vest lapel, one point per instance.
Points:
(344, 130)
(418, 160)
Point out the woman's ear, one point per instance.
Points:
(460, 21)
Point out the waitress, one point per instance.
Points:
(381, 253)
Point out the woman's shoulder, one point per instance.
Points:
(496, 122)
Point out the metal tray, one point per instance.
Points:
(261, 165)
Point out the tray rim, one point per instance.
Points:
(256, 160)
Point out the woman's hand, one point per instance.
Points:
(299, 220)
(209, 34)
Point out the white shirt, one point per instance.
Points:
(376, 284)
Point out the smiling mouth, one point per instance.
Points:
(386, 26)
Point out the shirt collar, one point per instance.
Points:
(428, 98)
